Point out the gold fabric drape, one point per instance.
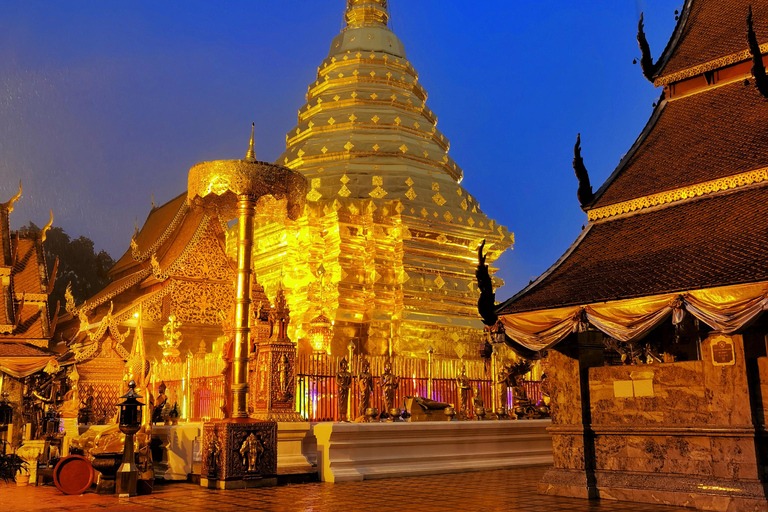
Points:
(19, 367)
(726, 309)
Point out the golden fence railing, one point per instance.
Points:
(197, 386)
(317, 394)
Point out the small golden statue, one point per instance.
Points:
(160, 404)
(172, 338)
(502, 385)
(365, 386)
(251, 452)
(284, 373)
(213, 457)
(465, 390)
(479, 404)
(343, 383)
(389, 383)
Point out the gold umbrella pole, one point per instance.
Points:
(245, 209)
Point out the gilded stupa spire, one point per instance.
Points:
(361, 13)
(251, 154)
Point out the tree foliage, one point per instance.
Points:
(79, 264)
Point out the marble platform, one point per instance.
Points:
(357, 451)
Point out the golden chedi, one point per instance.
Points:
(386, 216)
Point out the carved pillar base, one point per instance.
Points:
(272, 381)
(226, 463)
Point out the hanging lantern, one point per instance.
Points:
(320, 334)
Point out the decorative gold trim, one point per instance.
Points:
(334, 65)
(333, 83)
(145, 301)
(450, 167)
(345, 127)
(136, 278)
(680, 194)
(313, 110)
(707, 66)
(180, 213)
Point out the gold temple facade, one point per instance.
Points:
(386, 246)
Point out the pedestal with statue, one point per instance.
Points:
(272, 378)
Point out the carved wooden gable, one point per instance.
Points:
(203, 281)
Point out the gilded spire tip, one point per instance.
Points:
(251, 154)
(367, 12)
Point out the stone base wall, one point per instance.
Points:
(674, 433)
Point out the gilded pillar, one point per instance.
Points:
(245, 211)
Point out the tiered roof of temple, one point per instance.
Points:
(387, 217)
(25, 320)
(686, 207)
(176, 264)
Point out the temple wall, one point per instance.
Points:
(658, 431)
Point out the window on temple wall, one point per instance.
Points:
(667, 343)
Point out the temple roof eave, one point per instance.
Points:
(657, 251)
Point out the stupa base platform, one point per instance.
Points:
(358, 451)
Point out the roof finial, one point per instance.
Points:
(152, 198)
(366, 12)
(44, 231)
(584, 193)
(251, 154)
(646, 61)
(758, 69)
(9, 204)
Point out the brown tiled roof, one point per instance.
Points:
(710, 135)
(17, 349)
(712, 29)
(27, 271)
(712, 241)
(32, 322)
(6, 305)
(158, 221)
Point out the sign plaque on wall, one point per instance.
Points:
(723, 353)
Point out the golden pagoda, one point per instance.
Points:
(387, 220)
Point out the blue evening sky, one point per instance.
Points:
(102, 103)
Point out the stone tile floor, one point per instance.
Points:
(487, 491)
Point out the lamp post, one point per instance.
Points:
(130, 423)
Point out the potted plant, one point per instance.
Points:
(11, 467)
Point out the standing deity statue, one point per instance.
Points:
(389, 383)
(343, 383)
(160, 403)
(213, 457)
(465, 390)
(284, 373)
(365, 386)
(251, 451)
(502, 385)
